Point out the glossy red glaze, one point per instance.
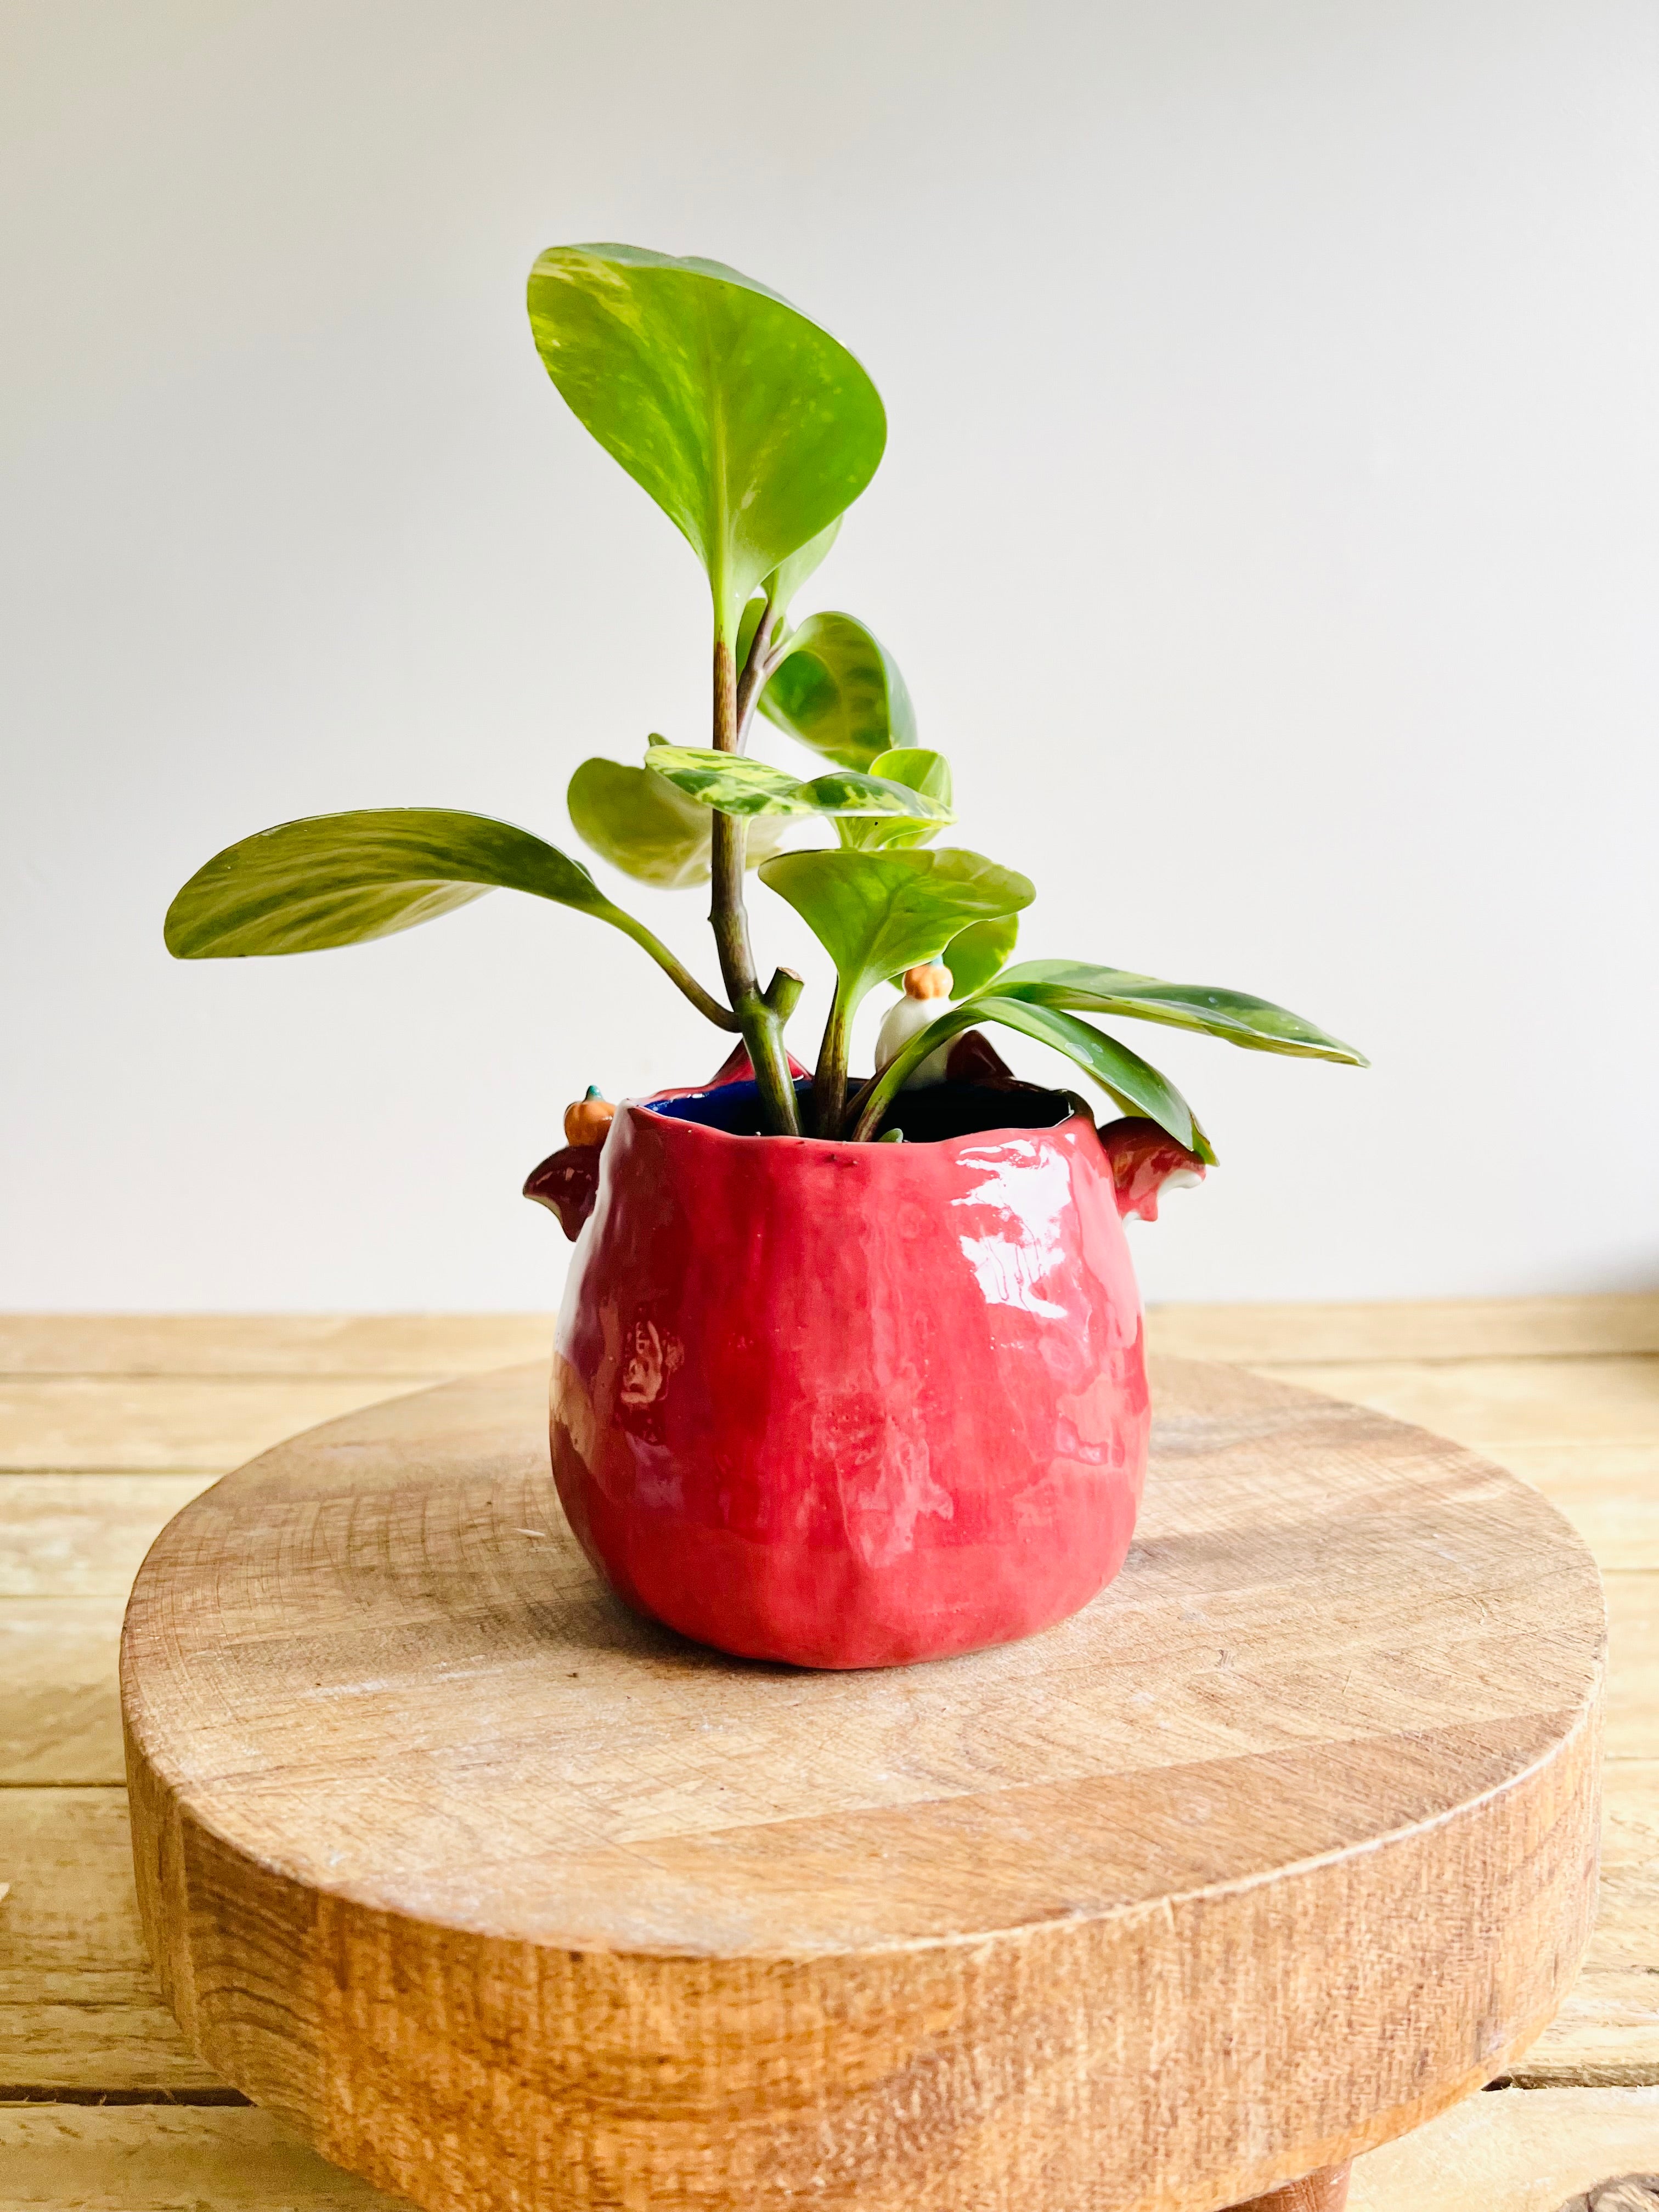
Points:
(851, 1405)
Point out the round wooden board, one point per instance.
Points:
(513, 1902)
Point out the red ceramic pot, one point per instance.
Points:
(852, 1405)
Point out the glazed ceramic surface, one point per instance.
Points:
(850, 1405)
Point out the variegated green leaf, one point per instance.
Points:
(929, 773)
(840, 691)
(641, 825)
(736, 785)
(1256, 1025)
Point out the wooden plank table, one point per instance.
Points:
(107, 1426)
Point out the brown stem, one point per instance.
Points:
(829, 1079)
(755, 670)
(726, 912)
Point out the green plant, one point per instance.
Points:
(754, 431)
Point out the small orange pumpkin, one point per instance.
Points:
(587, 1121)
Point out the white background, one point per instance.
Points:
(1267, 532)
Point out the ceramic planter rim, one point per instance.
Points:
(938, 1145)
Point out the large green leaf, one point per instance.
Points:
(978, 954)
(736, 785)
(340, 878)
(929, 773)
(750, 426)
(642, 825)
(875, 914)
(1132, 1082)
(840, 691)
(1255, 1024)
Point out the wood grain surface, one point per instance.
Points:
(1513, 2151)
(59, 1725)
(79, 2007)
(98, 1423)
(381, 1347)
(1415, 1329)
(1517, 2150)
(1491, 1402)
(60, 1718)
(510, 1898)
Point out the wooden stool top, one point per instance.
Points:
(512, 1899)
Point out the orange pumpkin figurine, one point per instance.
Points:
(587, 1121)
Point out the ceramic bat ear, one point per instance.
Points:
(1146, 1161)
(568, 1183)
(974, 1059)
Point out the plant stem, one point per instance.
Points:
(783, 992)
(852, 1118)
(755, 670)
(762, 1031)
(877, 1094)
(829, 1080)
(679, 974)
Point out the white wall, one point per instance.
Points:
(1269, 532)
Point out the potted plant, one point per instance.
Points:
(848, 1371)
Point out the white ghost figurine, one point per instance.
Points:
(927, 996)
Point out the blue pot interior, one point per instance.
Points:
(930, 1116)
